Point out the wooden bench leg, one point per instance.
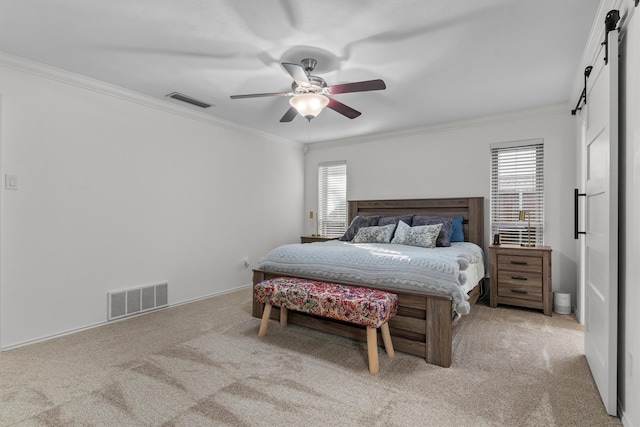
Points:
(386, 339)
(265, 320)
(283, 317)
(372, 347)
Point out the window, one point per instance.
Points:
(332, 198)
(517, 184)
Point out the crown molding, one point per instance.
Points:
(551, 110)
(72, 79)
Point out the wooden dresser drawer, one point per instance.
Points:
(520, 263)
(517, 278)
(520, 285)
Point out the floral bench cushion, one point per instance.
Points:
(362, 306)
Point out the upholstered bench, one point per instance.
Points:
(363, 306)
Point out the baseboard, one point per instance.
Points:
(626, 422)
(96, 325)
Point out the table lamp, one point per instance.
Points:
(522, 216)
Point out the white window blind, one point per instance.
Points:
(517, 184)
(332, 198)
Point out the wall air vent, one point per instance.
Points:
(137, 300)
(188, 100)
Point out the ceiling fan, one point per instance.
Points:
(311, 93)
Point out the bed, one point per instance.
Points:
(427, 321)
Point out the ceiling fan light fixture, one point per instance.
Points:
(309, 105)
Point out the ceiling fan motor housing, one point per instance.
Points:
(317, 86)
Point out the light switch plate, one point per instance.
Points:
(11, 182)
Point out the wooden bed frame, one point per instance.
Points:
(425, 325)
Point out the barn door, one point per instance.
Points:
(600, 265)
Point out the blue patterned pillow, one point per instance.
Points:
(423, 235)
(356, 223)
(374, 234)
(445, 231)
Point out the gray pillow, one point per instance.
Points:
(386, 220)
(445, 231)
(356, 223)
(374, 234)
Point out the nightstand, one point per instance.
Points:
(311, 239)
(521, 276)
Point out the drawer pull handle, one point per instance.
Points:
(519, 262)
(518, 291)
(518, 278)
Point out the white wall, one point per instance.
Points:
(118, 190)
(454, 161)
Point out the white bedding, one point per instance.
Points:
(453, 271)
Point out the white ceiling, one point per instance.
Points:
(442, 60)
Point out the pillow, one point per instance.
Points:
(374, 234)
(386, 220)
(423, 235)
(457, 233)
(445, 231)
(356, 223)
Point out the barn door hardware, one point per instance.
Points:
(583, 95)
(610, 23)
(577, 194)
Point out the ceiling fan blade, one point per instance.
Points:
(297, 72)
(259, 95)
(345, 110)
(358, 87)
(289, 115)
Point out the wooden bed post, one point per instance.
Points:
(257, 307)
(476, 221)
(439, 332)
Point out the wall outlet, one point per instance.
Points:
(11, 182)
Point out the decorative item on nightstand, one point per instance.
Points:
(313, 215)
(522, 216)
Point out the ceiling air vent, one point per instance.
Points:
(188, 100)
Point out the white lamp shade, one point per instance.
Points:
(309, 105)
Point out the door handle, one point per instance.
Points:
(576, 194)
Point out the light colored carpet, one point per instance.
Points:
(203, 364)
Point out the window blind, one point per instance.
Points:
(517, 184)
(332, 198)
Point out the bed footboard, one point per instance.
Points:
(424, 325)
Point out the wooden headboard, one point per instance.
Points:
(471, 208)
